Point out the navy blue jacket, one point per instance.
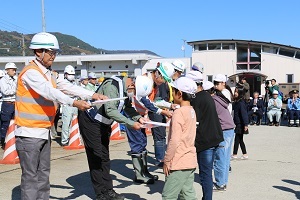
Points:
(240, 116)
(259, 105)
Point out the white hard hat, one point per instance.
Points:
(195, 76)
(83, 77)
(92, 75)
(69, 69)
(197, 66)
(143, 86)
(220, 78)
(179, 65)
(2, 73)
(207, 85)
(185, 84)
(44, 40)
(166, 70)
(275, 92)
(10, 65)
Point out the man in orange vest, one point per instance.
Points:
(38, 92)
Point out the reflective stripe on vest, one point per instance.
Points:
(31, 109)
(98, 116)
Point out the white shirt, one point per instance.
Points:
(35, 80)
(8, 87)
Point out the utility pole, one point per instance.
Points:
(23, 45)
(43, 17)
(183, 47)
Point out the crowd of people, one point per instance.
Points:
(207, 120)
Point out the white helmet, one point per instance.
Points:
(167, 70)
(44, 40)
(195, 76)
(2, 73)
(69, 69)
(10, 65)
(143, 86)
(198, 67)
(179, 65)
(92, 75)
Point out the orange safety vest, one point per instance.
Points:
(31, 109)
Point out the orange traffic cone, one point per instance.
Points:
(116, 132)
(147, 130)
(10, 155)
(75, 142)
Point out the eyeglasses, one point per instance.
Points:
(51, 53)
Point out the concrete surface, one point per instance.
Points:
(272, 171)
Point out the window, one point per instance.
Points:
(202, 47)
(210, 78)
(286, 52)
(290, 78)
(230, 46)
(270, 49)
(216, 46)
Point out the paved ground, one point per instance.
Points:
(272, 171)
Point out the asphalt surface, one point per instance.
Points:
(271, 172)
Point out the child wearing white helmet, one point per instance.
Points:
(179, 68)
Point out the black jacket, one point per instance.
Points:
(240, 116)
(259, 105)
(209, 132)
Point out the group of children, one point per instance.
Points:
(202, 131)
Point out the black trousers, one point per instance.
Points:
(96, 140)
(239, 140)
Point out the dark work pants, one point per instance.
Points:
(158, 133)
(96, 140)
(34, 154)
(294, 114)
(7, 113)
(239, 140)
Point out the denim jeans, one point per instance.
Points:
(205, 163)
(222, 158)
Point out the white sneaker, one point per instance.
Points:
(243, 157)
(234, 157)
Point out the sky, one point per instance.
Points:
(156, 25)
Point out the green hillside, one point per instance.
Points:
(11, 45)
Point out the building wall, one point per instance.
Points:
(216, 61)
(277, 66)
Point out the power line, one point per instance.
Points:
(15, 27)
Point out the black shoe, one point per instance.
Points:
(114, 196)
(277, 124)
(252, 123)
(229, 168)
(258, 123)
(217, 188)
(290, 125)
(102, 197)
(270, 124)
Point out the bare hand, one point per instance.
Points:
(81, 105)
(97, 96)
(166, 170)
(167, 113)
(246, 128)
(137, 126)
(142, 120)
(174, 106)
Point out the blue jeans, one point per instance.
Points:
(222, 158)
(7, 113)
(137, 140)
(205, 163)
